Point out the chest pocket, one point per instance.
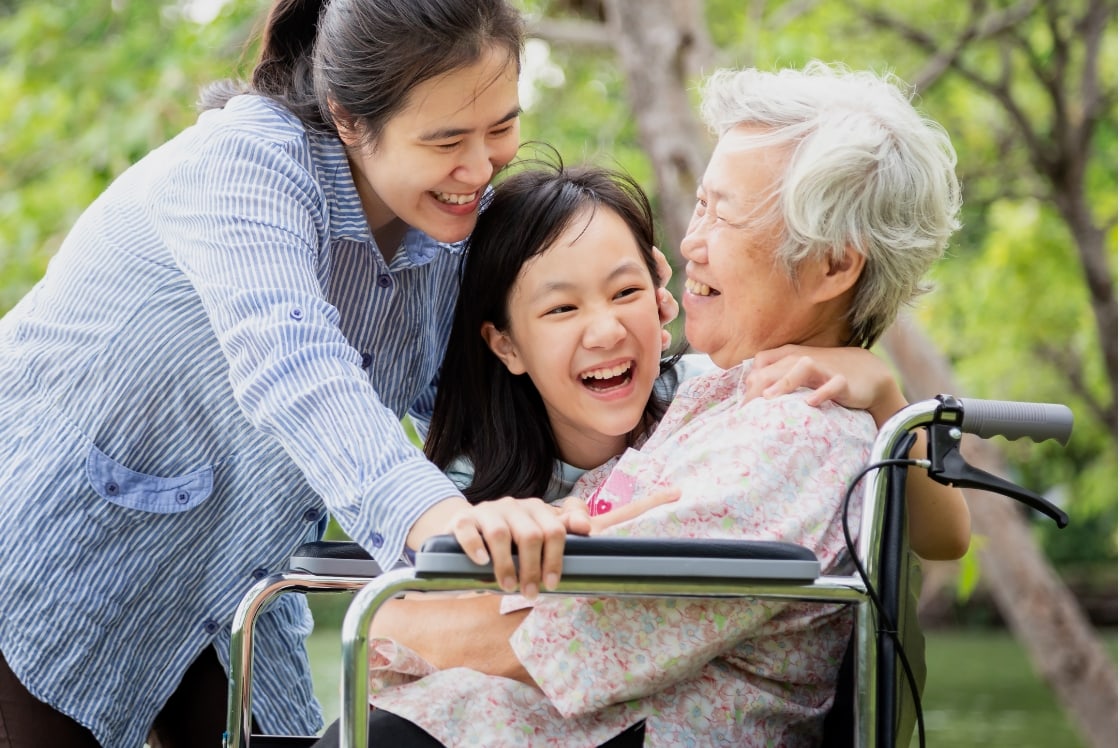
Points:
(124, 487)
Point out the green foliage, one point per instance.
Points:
(91, 86)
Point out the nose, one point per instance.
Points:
(604, 330)
(477, 165)
(694, 246)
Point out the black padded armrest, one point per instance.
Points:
(334, 558)
(757, 560)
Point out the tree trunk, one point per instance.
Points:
(1039, 608)
(661, 46)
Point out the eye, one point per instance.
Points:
(502, 131)
(629, 291)
(447, 147)
(561, 309)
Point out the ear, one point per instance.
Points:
(503, 347)
(345, 123)
(837, 276)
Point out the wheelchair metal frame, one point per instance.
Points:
(879, 545)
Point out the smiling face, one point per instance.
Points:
(434, 158)
(738, 300)
(583, 325)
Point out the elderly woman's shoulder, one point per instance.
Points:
(728, 388)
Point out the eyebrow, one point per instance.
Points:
(454, 132)
(625, 268)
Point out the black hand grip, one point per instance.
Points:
(1014, 420)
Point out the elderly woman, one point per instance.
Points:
(825, 201)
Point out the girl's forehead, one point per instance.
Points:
(585, 254)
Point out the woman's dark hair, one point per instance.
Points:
(482, 411)
(366, 56)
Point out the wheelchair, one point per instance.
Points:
(874, 669)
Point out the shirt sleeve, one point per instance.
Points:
(245, 221)
(772, 470)
(421, 411)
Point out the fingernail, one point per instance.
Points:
(551, 581)
(530, 591)
(480, 558)
(509, 584)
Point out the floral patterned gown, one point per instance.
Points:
(699, 672)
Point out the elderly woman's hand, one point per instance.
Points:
(852, 377)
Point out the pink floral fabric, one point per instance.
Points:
(699, 672)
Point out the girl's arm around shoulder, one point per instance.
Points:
(939, 520)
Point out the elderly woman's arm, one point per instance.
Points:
(467, 631)
(939, 521)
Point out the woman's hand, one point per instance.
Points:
(667, 306)
(852, 377)
(489, 530)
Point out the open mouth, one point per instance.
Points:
(698, 288)
(451, 198)
(607, 378)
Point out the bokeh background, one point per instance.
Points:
(1024, 308)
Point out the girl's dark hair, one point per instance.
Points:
(367, 56)
(482, 412)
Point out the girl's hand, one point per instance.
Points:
(667, 306)
(852, 377)
(576, 513)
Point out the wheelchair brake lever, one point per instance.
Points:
(948, 467)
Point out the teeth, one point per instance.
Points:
(453, 199)
(696, 287)
(606, 373)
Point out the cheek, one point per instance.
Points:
(646, 326)
(505, 150)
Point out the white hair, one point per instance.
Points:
(866, 170)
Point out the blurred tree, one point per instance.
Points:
(91, 87)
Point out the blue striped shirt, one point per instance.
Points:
(217, 355)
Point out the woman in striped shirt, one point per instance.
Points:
(220, 354)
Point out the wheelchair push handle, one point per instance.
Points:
(952, 417)
(1014, 420)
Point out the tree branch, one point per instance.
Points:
(571, 33)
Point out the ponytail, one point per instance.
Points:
(284, 69)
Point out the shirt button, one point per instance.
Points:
(311, 515)
(296, 314)
(210, 626)
(112, 488)
(260, 573)
(384, 281)
(378, 540)
(182, 497)
(367, 359)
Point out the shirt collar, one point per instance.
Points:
(347, 219)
